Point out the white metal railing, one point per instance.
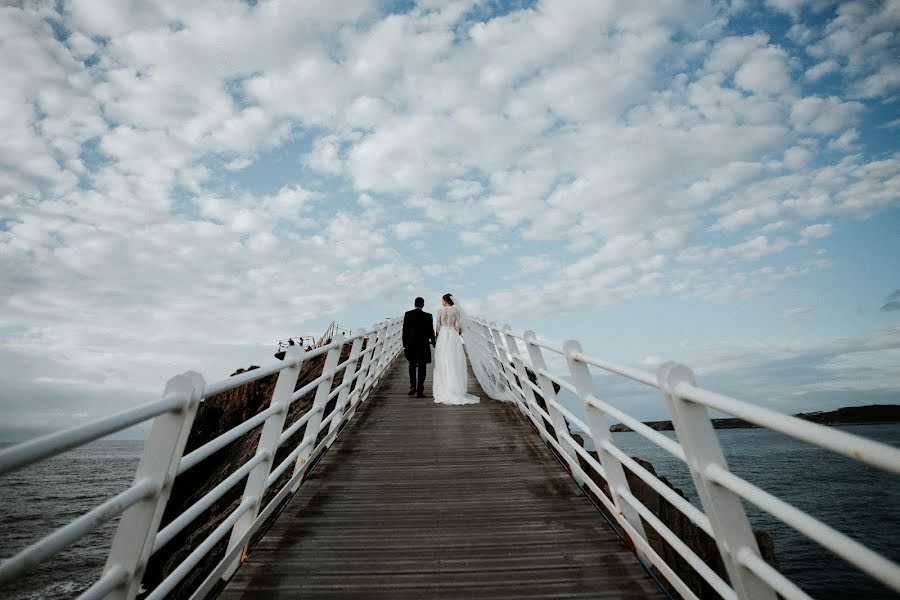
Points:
(142, 505)
(498, 357)
(495, 352)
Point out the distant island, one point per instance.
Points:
(849, 415)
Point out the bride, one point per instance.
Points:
(450, 375)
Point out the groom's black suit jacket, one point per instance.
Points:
(418, 335)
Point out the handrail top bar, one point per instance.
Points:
(876, 454)
(52, 444)
(229, 383)
(557, 380)
(68, 534)
(651, 435)
(524, 336)
(196, 456)
(862, 557)
(629, 372)
(858, 448)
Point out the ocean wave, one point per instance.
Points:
(54, 591)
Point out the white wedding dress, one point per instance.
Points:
(450, 375)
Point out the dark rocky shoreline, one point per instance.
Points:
(872, 414)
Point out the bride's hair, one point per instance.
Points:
(448, 298)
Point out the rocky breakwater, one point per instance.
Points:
(694, 537)
(217, 415)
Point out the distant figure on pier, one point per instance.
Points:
(418, 337)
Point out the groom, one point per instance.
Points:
(418, 332)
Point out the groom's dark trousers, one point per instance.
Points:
(418, 337)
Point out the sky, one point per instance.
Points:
(184, 184)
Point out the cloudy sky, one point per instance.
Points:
(184, 183)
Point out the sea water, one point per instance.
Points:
(853, 498)
(43, 497)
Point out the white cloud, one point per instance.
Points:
(765, 72)
(774, 226)
(740, 217)
(862, 38)
(852, 363)
(821, 69)
(818, 115)
(800, 373)
(797, 311)
(755, 248)
(795, 7)
(238, 164)
(575, 143)
(469, 261)
(729, 53)
(325, 156)
(408, 229)
(531, 265)
(846, 142)
(817, 231)
(461, 189)
(797, 157)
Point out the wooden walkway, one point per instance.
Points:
(420, 500)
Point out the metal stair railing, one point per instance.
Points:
(142, 505)
(721, 492)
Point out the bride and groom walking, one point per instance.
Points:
(450, 375)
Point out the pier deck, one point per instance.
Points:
(420, 500)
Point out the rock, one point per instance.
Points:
(239, 371)
(849, 415)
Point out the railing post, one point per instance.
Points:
(723, 508)
(377, 356)
(597, 422)
(255, 487)
(387, 348)
(507, 368)
(396, 341)
(311, 433)
(344, 394)
(495, 356)
(396, 338)
(136, 534)
(522, 372)
(360, 389)
(557, 419)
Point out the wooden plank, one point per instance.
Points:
(421, 500)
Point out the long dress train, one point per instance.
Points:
(450, 374)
